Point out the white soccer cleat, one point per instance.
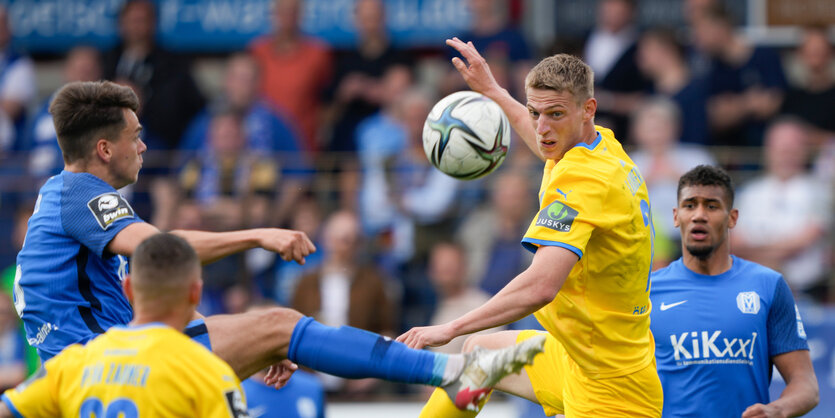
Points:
(484, 368)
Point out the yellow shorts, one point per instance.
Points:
(562, 388)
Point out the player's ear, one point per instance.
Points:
(127, 287)
(103, 151)
(732, 217)
(195, 290)
(589, 108)
(675, 218)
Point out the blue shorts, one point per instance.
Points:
(197, 331)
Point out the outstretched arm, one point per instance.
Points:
(477, 74)
(528, 292)
(800, 394)
(211, 246)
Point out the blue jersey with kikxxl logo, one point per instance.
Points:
(715, 336)
(68, 288)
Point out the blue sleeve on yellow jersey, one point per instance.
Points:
(785, 327)
(11, 406)
(93, 212)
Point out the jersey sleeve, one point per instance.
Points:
(37, 396)
(93, 213)
(570, 209)
(785, 327)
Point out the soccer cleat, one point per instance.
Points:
(484, 368)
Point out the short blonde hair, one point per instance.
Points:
(563, 73)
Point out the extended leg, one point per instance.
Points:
(441, 404)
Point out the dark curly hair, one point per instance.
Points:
(707, 175)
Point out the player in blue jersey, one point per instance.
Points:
(720, 322)
(68, 275)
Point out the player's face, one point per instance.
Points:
(704, 217)
(127, 151)
(558, 120)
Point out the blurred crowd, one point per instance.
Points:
(303, 135)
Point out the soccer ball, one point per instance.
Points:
(466, 135)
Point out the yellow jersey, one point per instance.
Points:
(150, 370)
(594, 203)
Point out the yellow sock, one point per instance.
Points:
(440, 406)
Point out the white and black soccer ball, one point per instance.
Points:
(466, 135)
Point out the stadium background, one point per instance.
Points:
(203, 34)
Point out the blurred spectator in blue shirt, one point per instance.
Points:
(266, 133)
(12, 346)
(746, 83)
(17, 87)
(83, 63)
(662, 59)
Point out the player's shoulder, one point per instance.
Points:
(751, 271)
(670, 273)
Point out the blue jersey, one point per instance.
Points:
(68, 288)
(302, 397)
(715, 336)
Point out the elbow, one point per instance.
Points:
(543, 296)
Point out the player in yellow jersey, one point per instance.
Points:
(588, 283)
(147, 368)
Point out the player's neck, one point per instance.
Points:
(174, 320)
(98, 170)
(716, 263)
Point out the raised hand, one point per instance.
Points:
(475, 71)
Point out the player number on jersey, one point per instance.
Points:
(119, 408)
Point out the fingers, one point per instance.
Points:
(459, 65)
(412, 339)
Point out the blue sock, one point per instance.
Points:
(355, 353)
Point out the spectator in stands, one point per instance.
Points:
(17, 87)
(502, 45)
(358, 88)
(346, 289)
(402, 195)
(610, 50)
(490, 235)
(12, 346)
(661, 58)
(364, 76)
(295, 70)
(812, 91)
(170, 97)
(448, 274)
(662, 159)
(266, 133)
(786, 212)
(746, 82)
(229, 186)
(279, 282)
(83, 63)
